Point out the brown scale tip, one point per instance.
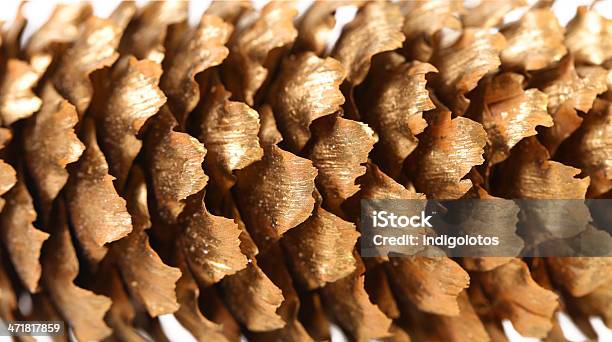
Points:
(8, 176)
(229, 11)
(23, 241)
(81, 308)
(489, 14)
(145, 40)
(596, 303)
(253, 299)
(339, 150)
(467, 325)
(580, 276)
(532, 175)
(62, 27)
(94, 49)
(210, 243)
(348, 304)
(189, 314)
(134, 97)
(17, 100)
(449, 148)
(321, 249)
(275, 194)
(375, 29)
(317, 23)
(97, 213)
(487, 217)
(519, 298)
(511, 113)
(148, 279)
(590, 148)
(534, 42)
(431, 283)
(251, 58)
(568, 92)
(529, 174)
(589, 36)
(462, 63)
(52, 145)
(397, 98)
(229, 130)
(197, 51)
(175, 164)
(307, 88)
(422, 19)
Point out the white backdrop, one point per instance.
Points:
(37, 12)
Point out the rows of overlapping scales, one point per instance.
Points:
(215, 172)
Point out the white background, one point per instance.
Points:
(38, 11)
